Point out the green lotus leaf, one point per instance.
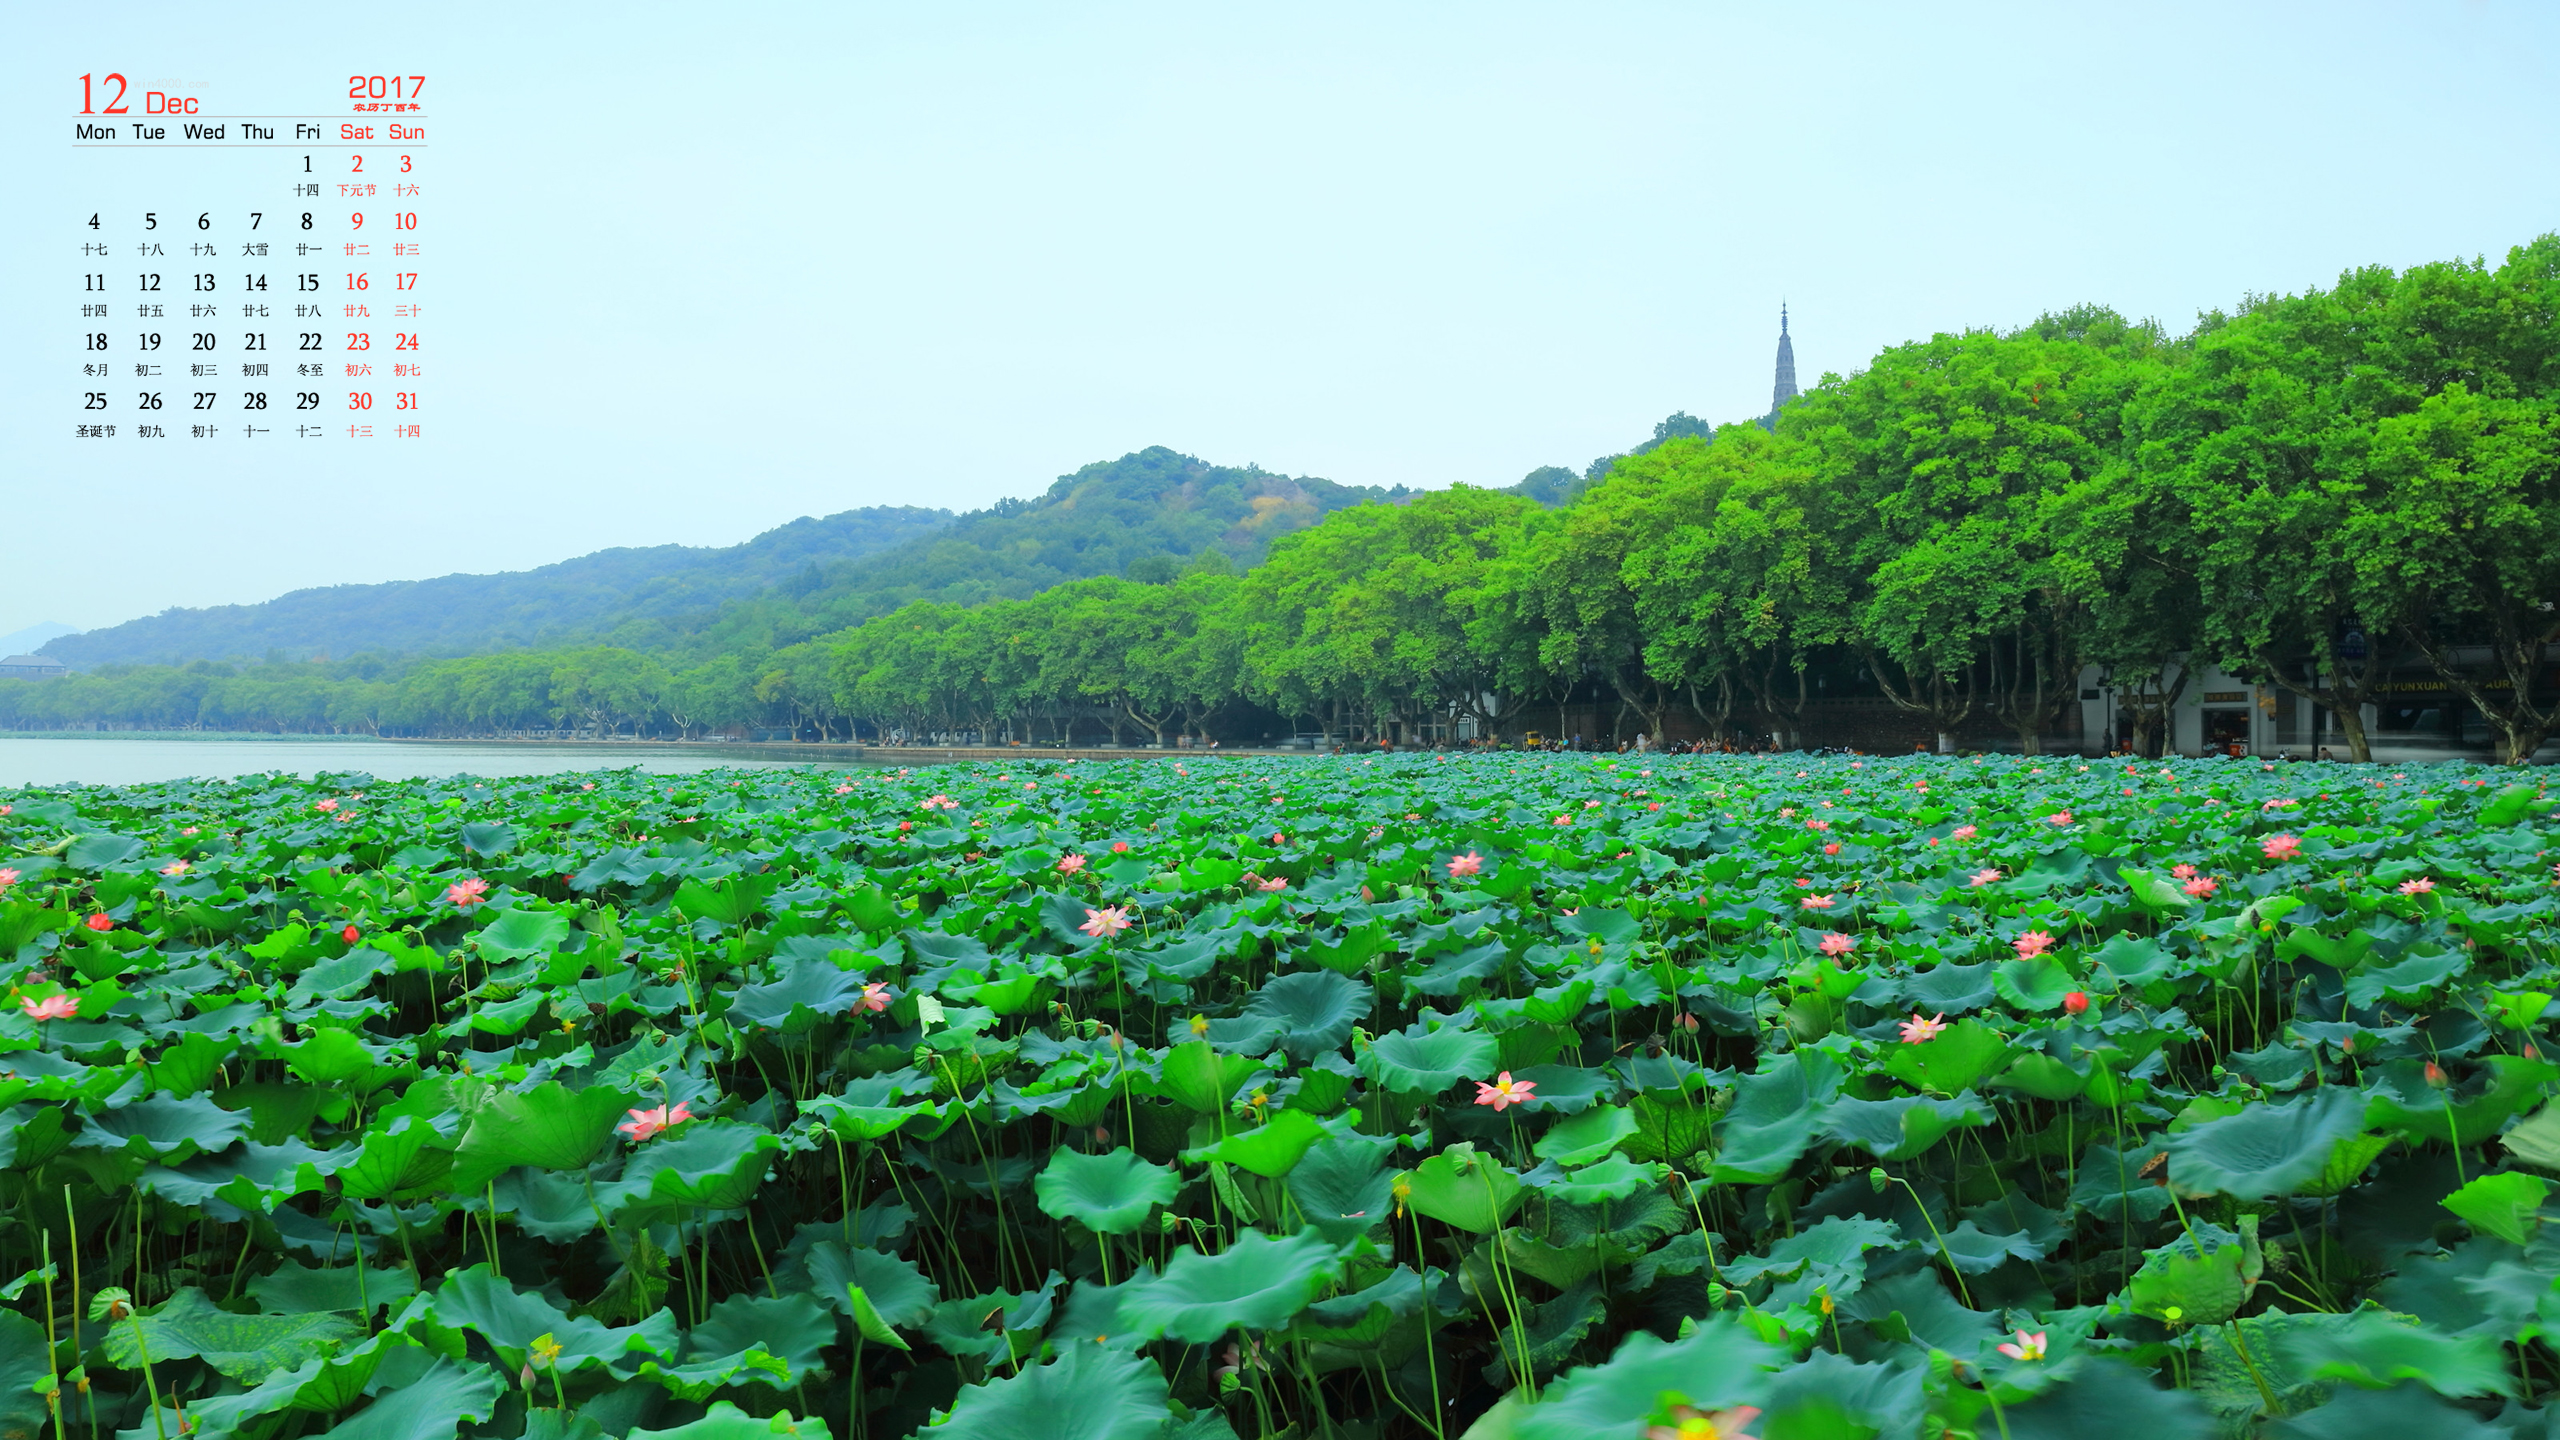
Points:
(521, 932)
(247, 1348)
(2107, 1400)
(1614, 1178)
(1950, 989)
(724, 1421)
(2535, 1140)
(1087, 1393)
(549, 1127)
(510, 1320)
(1342, 1187)
(2413, 981)
(1111, 1194)
(293, 1288)
(1586, 1137)
(707, 1165)
(163, 1126)
(2506, 1205)
(402, 1157)
(1199, 1078)
(431, 1406)
(1314, 1010)
(1413, 1061)
(100, 850)
(1256, 1284)
(1962, 1056)
(2036, 984)
(1771, 1120)
(1463, 1188)
(2198, 1281)
(482, 837)
(2266, 1150)
(2373, 1349)
(807, 991)
(1904, 1127)
(897, 1291)
(2400, 1101)
(770, 1340)
(336, 1058)
(1975, 1251)
(1716, 1365)
(2407, 1412)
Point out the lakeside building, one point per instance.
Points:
(32, 667)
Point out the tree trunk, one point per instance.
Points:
(2515, 653)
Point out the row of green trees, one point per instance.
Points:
(2320, 492)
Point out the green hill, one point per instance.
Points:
(1148, 512)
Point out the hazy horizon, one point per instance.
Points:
(703, 275)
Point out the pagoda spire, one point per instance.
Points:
(1785, 388)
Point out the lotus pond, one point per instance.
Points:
(1551, 1097)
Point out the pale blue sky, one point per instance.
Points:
(699, 270)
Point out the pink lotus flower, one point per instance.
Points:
(1470, 863)
(176, 868)
(1817, 824)
(1274, 883)
(324, 806)
(1963, 832)
(1836, 943)
(466, 892)
(52, 1007)
(1505, 1094)
(1564, 819)
(190, 830)
(1816, 902)
(1916, 1031)
(2419, 886)
(8, 878)
(844, 789)
(1104, 923)
(2076, 1003)
(351, 934)
(1279, 839)
(1831, 849)
(1986, 877)
(875, 996)
(2281, 847)
(1070, 864)
(99, 923)
(1688, 1422)
(645, 1124)
(2201, 886)
(2029, 1346)
(2059, 817)
(1119, 847)
(940, 802)
(2032, 944)
(1653, 804)
(2183, 872)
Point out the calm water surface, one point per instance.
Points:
(139, 760)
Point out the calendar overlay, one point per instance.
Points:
(250, 272)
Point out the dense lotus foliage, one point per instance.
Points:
(1550, 1097)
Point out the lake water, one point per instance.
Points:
(142, 759)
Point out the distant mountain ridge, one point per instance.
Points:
(461, 614)
(1151, 510)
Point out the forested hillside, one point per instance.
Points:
(459, 614)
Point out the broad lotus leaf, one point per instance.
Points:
(1464, 1188)
(1429, 1062)
(1614, 1178)
(1772, 1117)
(1950, 989)
(2506, 1205)
(707, 1165)
(510, 1320)
(488, 837)
(522, 932)
(549, 1127)
(748, 1339)
(431, 1406)
(1715, 1366)
(1313, 1010)
(397, 1158)
(1342, 1187)
(323, 1384)
(1088, 1393)
(809, 989)
(1271, 1149)
(2400, 1100)
(2535, 1140)
(1975, 1251)
(1962, 1056)
(2032, 984)
(1585, 1138)
(1915, 1308)
(897, 1291)
(1111, 1193)
(2198, 1281)
(2106, 1399)
(247, 1348)
(163, 1126)
(2266, 1150)
(293, 1288)
(98, 850)
(1201, 1079)
(1904, 1127)
(724, 1421)
(2405, 1412)
(1258, 1283)
(1549, 1333)
(2374, 1349)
